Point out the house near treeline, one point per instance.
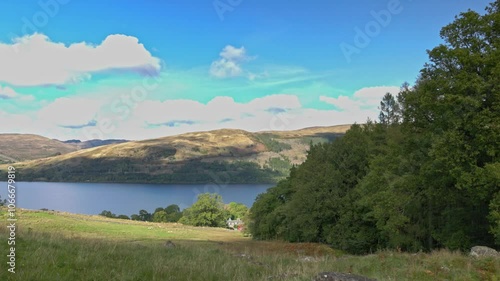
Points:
(234, 223)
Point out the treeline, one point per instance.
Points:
(426, 176)
(128, 171)
(171, 213)
(269, 140)
(208, 210)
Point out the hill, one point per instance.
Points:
(92, 143)
(22, 147)
(63, 246)
(221, 156)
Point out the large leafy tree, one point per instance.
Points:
(455, 105)
(236, 210)
(266, 214)
(207, 211)
(145, 215)
(173, 213)
(160, 216)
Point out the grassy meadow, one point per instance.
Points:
(62, 246)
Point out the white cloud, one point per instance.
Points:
(224, 68)
(7, 93)
(234, 54)
(35, 60)
(229, 63)
(69, 112)
(275, 101)
(215, 111)
(79, 118)
(342, 102)
(365, 99)
(375, 94)
(253, 76)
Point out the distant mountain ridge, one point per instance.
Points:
(93, 143)
(22, 147)
(220, 156)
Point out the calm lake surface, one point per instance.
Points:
(127, 199)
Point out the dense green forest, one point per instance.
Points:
(426, 175)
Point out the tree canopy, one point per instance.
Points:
(207, 211)
(236, 210)
(426, 176)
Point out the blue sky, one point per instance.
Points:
(143, 69)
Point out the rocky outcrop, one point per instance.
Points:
(482, 251)
(337, 276)
(169, 244)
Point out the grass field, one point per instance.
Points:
(61, 246)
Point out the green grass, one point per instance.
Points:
(62, 246)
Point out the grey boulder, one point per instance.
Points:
(482, 251)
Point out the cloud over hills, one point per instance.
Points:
(35, 60)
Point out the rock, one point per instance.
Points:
(482, 251)
(170, 244)
(337, 276)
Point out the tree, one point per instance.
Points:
(123, 217)
(172, 209)
(158, 209)
(173, 212)
(144, 215)
(315, 203)
(390, 111)
(107, 214)
(135, 217)
(207, 211)
(266, 215)
(494, 217)
(160, 216)
(236, 210)
(455, 105)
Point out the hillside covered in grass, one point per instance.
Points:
(63, 246)
(229, 156)
(22, 147)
